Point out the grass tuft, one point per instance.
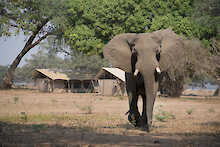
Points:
(16, 99)
(211, 110)
(163, 116)
(189, 111)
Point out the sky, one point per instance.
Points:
(10, 47)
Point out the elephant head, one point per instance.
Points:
(147, 54)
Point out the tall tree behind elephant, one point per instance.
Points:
(143, 57)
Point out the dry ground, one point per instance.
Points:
(30, 118)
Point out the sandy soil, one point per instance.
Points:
(30, 118)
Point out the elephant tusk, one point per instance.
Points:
(158, 70)
(136, 72)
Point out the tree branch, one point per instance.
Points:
(28, 45)
(13, 25)
(39, 27)
(66, 52)
(38, 41)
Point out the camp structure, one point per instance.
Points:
(54, 80)
(111, 82)
(81, 82)
(50, 80)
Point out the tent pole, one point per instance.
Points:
(53, 86)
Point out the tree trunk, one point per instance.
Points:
(8, 78)
(217, 92)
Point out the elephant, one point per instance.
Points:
(143, 57)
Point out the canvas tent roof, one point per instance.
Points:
(52, 74)
(114, 71)
(56, 74)
(80, 76)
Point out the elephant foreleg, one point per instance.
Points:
(134, 115)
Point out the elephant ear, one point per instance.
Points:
(118, 51)
(172, 50)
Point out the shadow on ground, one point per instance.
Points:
(44, 135)
(212, 123)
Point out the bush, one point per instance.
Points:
(169, 87)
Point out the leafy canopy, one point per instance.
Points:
(26, 15)
(92, 23)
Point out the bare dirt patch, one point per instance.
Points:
(30, 118)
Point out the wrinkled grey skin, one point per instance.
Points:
(144, 52)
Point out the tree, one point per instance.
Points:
(82, 63)
(207, 14)
(92, 23)
(98, 21)
(40, 60)
(36, 19)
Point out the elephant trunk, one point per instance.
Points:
(151, 87)
(150, 72)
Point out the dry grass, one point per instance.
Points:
(30, 117)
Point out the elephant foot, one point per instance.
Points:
(134, 119)
(137, 121)
(145, 129)
(144, 125)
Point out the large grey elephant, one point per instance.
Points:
(143, 57)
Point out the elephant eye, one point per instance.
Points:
(158, 56)
(134, 51)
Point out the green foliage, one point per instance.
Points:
(36, 19)
(26, 16)
(98, 21)
(122, 98)
(207, 15)
(16, 99)
(92, 23)
(85, 63)
(24, 116)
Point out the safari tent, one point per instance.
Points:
(81, 83)
(111, 82)
(49, 80)
(53, 80)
